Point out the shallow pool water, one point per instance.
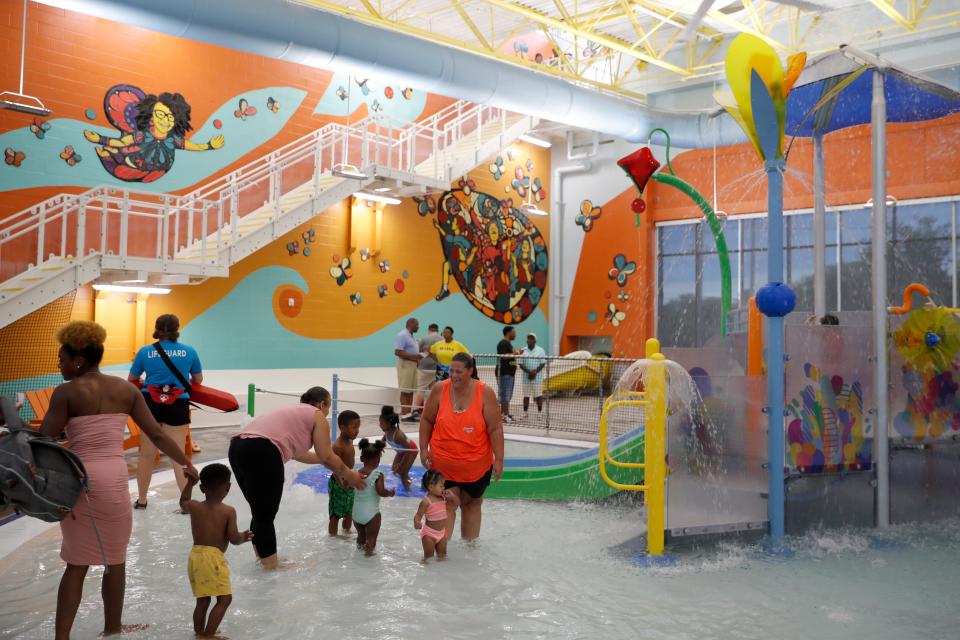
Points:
(538, 571)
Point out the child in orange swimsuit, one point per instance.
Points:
(433, 507)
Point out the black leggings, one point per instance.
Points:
(258, 467)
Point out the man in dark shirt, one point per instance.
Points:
(506, 371)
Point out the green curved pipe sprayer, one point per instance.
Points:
(711, 216)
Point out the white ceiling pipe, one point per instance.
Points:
(304, 35)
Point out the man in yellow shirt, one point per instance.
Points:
(444, 350)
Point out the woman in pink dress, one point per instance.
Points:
(93, 409)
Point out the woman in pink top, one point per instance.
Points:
(93, 409)
(258, 453)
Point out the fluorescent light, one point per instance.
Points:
(348, 171)
(382, 189)
(532, 209)
(376, 197)
(537, 141)
(128, 289)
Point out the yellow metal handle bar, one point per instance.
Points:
(604, 453)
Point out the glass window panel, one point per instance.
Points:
(677, 317)
(755, 233)
(855, 278)
(754, 272)
(832, 228)
(923, 221)
(730, 230)
(800, 230)
(800, 277)
(928, 262)
(680, 238)
(855, 226)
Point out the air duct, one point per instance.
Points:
(304, 35)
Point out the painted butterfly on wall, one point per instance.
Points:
(407, 93)
(293, 248)
(382, 291)
(425, 205)
(376, 107)
(621, 269)
(273, 105)
(244, 110)
(384, 266)
(308, 235)
(588, 214)
(520, 182)
(13, 158)
(342, 272)
(342, 92)
(39, 128)
(496, 167)
(364, 86)
(615, 316)
(529, 164)
(355, 298)
(539, 193)
(70, 155)
(623, 296)
(364, 254)
(521, 48)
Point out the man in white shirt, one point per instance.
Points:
(532, 360)
(408, 356)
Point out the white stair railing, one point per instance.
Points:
(192, 233)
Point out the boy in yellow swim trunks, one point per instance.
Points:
(214, 525)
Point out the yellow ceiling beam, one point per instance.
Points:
(471, 25)
(887, 9)
(736, 24)
(563, 12)
(363, 16)
(592, 36)
(754, 15)
(637, 28)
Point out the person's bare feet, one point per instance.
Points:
(270, 562)
(126, 628)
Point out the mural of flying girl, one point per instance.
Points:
(152, 129)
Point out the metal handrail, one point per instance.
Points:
(381, 141)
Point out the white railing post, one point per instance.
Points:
(63, 230)
(190, 223)
(104, 214)
(176, 224)
(203, 236)
(317, 166)
(124, 224)
(234, 210)
(275, 180)
(81, 227)
(40, 233)
(165, 243)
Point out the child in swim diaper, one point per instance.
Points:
(433, 507)
(214, 525)
(366, 502)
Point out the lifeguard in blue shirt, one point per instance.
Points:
(166, 396)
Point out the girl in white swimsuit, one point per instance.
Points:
(366, 502)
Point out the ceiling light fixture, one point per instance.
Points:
(376, 197)
(125, 289)
(15, 101)
(532, 209)
(537, 141)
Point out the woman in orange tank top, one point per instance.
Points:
(461, 436)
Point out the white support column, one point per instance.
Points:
(819, 230)
(881, 444)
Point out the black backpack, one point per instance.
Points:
(38, 477)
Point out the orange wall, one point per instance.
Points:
(923, 160)
(71, 59)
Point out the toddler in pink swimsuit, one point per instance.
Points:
(433, 507)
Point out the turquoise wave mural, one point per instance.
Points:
(259, 341)
(45, 163)
(346, 93)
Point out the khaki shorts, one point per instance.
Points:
(406, 375)
(425, 379)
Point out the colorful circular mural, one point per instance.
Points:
(494, 252)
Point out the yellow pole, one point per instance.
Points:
(655, 448)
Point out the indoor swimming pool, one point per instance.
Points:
(540, 570)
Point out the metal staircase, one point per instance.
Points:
(110, 234)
